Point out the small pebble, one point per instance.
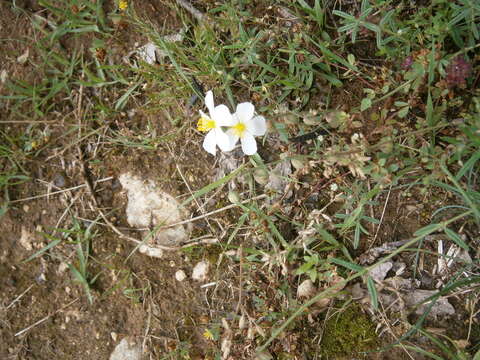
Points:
(62, 268)
(151, 251)
(59, 181)
(116, 185)
(200, 271)
(180, 275)
(306, 289)
(41, 278)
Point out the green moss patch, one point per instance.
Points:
(347, 333)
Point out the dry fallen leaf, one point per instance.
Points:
(22, 59)
(306, 289)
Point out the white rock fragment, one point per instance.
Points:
(149, 207)
(147, 53)
(231, 253)
(151, 251)
(26, 239)
(379, 272)
(441, 307)
(200, 271)
(22, 59)
(150, 53)
(62, 267)
(306, 289)
(454, 255)
(3, 76)
(180, 275)
(127, 350)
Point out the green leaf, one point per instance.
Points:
(304, 268)
(477, 355)
(403, 112)
(427, 230)
(344, 15)
(468, 165)
(429, 109)
(372, 290)
(456, 239)
(347, 264)
(121, 102)
(366, 103)
(213, 185)
(351, 59)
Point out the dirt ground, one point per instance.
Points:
(45, 313)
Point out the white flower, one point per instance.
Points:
(245, 127)
(219, 116)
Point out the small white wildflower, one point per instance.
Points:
(219, 116)
(245, 127)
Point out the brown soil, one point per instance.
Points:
(45, 313)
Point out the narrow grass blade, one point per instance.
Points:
(430, 228)
(421, 351)
(456, 239)
(372, 290)
(468, 165)
(347, 264)
(44, 249)
(213, 185)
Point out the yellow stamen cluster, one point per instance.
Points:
(239, 129)
(207, 334)
(123, 5)
(205, 124)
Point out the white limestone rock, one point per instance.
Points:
(149, 207)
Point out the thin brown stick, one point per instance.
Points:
(59, 191)
(29, 121)
(18, 297)
(381, 218)
(231, 206)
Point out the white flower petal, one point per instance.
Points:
(245, 111)
(222, 116)
(223, 141)
(249, 145)
(202, 114)
(210, 142)
(209, 102)
(256, 126)
(232, 137)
